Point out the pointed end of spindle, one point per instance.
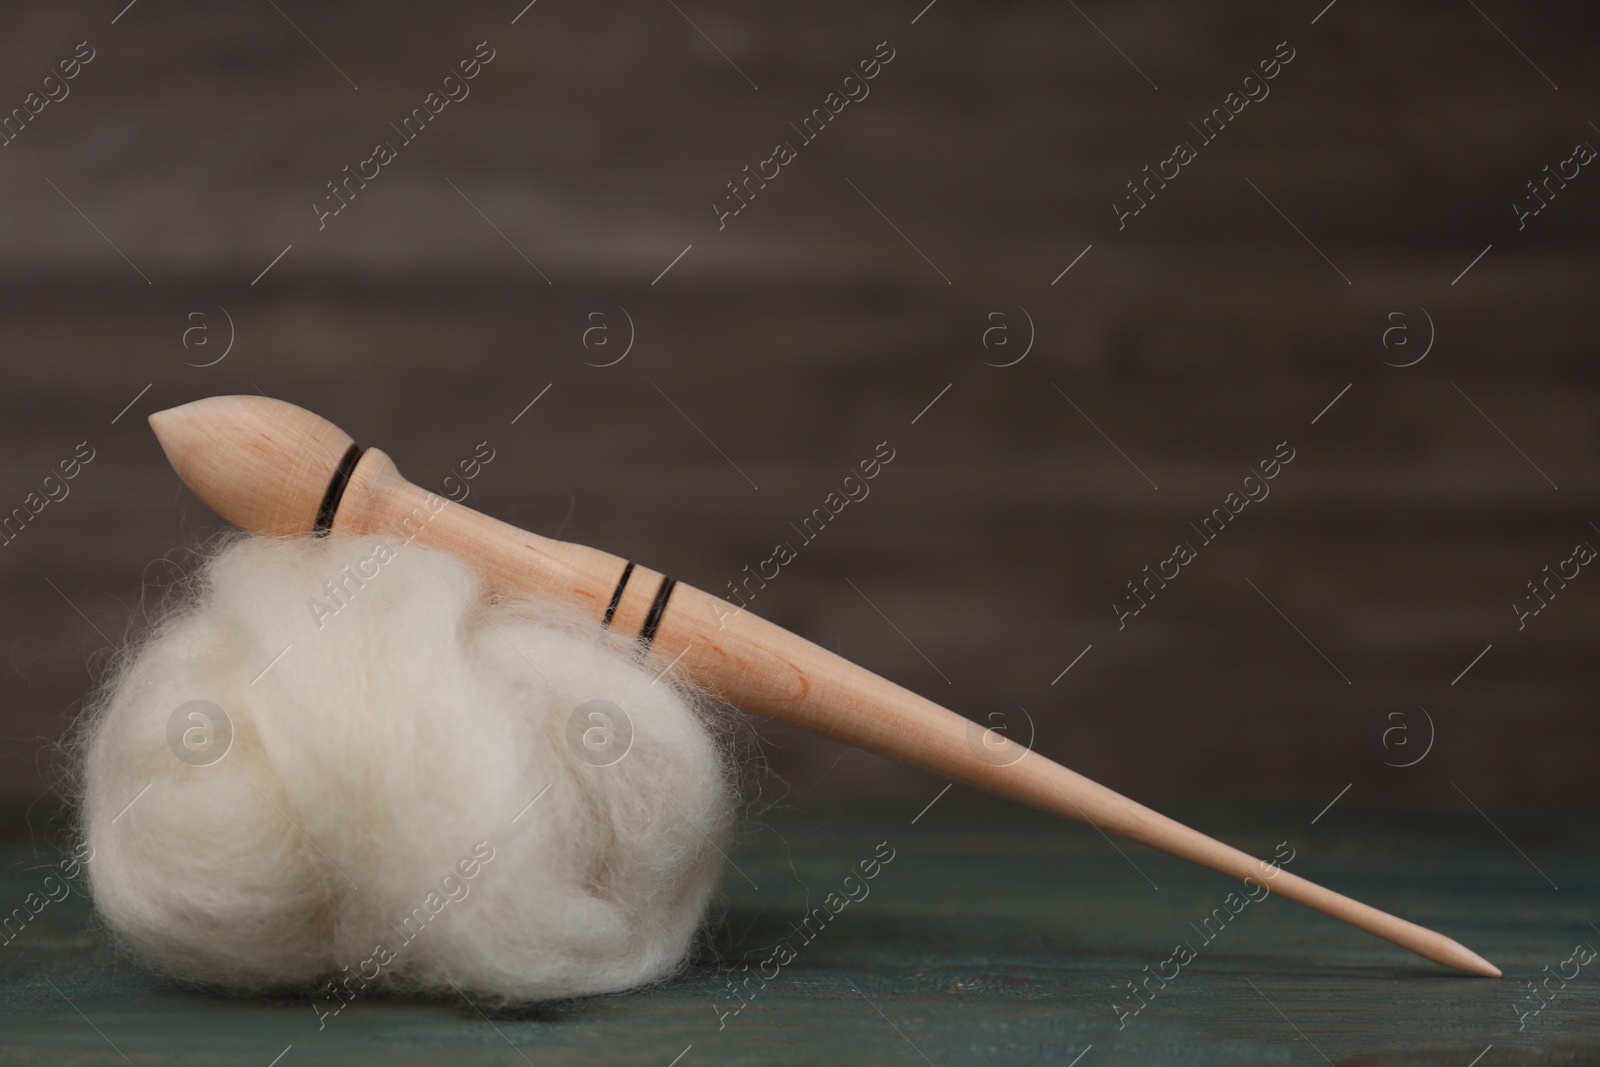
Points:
(1476, 964)
(1443, 950)
(258, 462)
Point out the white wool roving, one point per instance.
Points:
(393, 781)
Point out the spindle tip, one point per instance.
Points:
(1451, 953)
(260, 463)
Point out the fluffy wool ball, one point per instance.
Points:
(342, 761)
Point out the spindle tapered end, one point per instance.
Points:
(1441, 949)
(257, 462)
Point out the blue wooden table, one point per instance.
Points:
(986, 934)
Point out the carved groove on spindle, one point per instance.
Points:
(336, 487)
(616, 596)
(658, 607)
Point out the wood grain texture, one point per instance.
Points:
(996, 935)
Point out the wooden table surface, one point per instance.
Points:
(993, 936)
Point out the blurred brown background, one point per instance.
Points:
(986, 559)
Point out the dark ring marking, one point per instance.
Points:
(335, 493)
(616, 597)
(658, 607)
